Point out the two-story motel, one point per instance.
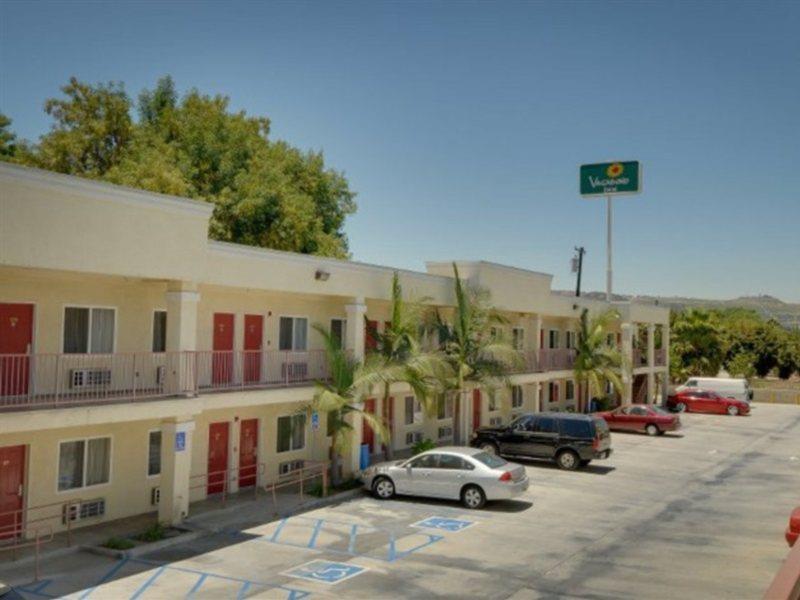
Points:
(142, 364)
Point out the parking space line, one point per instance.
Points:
(315, 533)
(351, 547)
(243, 591)
(106, 577)
(278, 530)
(198, 584)
(148, 583)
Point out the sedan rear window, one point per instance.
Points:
(490, 460)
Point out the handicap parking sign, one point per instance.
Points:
(451, 525)
(325, 571)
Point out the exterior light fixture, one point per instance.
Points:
(321, 275)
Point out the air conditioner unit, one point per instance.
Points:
(287, 467)
(155, 495)
(445, 432)
(413, 437)
(495, 421)
(84, 510)
(82, 378)
(294, 370)
(161, 374)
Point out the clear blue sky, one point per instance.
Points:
(461, 125)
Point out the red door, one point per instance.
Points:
(476, 409)
(248, 453)
(253, 330)
(222, 360)
(217, 457)
(367, 435)
(16, 338)
(371, 336)
(12, 478)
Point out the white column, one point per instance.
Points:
(354, 343)
(651, 362)
(537, 332)
(665, 346)
(627, 368)
(182, 299)
(537, 397)
(176, 464)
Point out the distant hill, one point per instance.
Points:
(786, 313)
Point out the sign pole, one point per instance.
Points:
(609, 224)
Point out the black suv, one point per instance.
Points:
(572, 440)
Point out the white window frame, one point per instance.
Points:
(90, 307)
(85, 441)
(417, 414)
(567, 384)
(344, 330)
(552, 343)
(521, 397)
(277, 433)
(492, 403)
(448, 402)
(294, 321)
(147, 454)
(518, 338)
(571, 337)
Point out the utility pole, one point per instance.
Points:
(577, 267)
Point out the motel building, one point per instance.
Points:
(143, 367)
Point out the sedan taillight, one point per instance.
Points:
(506, 476)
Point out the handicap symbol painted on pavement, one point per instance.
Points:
(444, 524)
(325, 571)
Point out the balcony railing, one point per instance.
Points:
(661, 357)
(556, 359)
(63, 380)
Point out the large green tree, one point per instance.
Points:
(266, 192)
(696, 344)
(596, 362)
(8, 146)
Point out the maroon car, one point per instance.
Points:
(707, 401)
(649, 419)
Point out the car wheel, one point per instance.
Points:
(681, 407)
(733, 410)
(473, 497)
(568, 460)
(490, 448)
(383, 488)
(652, 429)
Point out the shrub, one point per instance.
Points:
(154, 533)
(119, 543)
(423, 446)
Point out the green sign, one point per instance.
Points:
(604, 179)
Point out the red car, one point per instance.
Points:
(650, 419)
(706, 401)
(793, 530)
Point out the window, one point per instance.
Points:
(490, 460)
(371, 336)
(552, 391)
(88, 330)
(553, 339)
(413, 411)
(154, 454)
(160, 331)
(545, 425)
(293, 334)
(518, 338)
(570, 340)
(610, 340)
(576, 428)
(426, 461)
(339, 331)
(82, 463)
(444, 408)
(291, 433)
(450, 461)
(524, 423)
(570, 390)
(517, 398)
(492, 401)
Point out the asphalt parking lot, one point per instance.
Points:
(699, 514)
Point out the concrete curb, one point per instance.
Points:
(144, 548)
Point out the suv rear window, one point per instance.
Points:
(601, 426)
(578, 428)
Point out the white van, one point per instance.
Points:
(724, 386)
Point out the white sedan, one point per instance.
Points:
(458, 473)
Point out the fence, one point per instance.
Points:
(776, 396)
(219, 482)
(310, 471)
(556, 359)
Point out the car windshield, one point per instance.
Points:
(659, 410)
(490, 460)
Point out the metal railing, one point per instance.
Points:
(310, 471)
(219, 482)
(61, 380)
(661, 357)
(556, 359)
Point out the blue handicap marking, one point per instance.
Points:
(325, 571)
(443, 523)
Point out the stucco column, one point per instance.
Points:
(537, 397)
(176, 464)
(182, 299)
(665, 346)
(627, 365)
(354, 343)
(537, 336)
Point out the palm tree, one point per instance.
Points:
(477, 354)
(596, 362)
(340, 398)
(400, 358)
